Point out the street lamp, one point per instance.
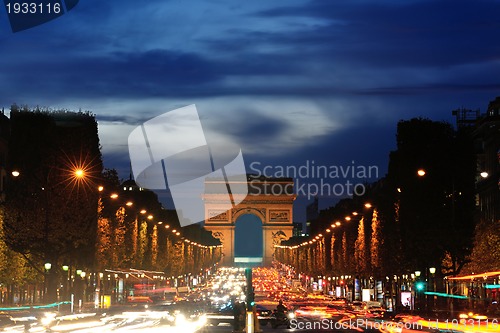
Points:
(79, 173)
(432, 270)
(418, 288)
(47, 267)
(65, 269)
(421, 172)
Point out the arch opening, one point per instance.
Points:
(248, 241)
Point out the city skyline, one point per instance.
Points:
(306, 81)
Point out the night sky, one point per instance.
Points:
(287, 81)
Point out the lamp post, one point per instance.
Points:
(418, 288)
(47, 266)
(65, 269)
(432, 270)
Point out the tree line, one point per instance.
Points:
(52, 210)
(422, 214)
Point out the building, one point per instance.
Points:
(485, 131)
(312, 214)
(4, 148)
(486, 135)
(297, 229)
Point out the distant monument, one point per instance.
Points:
(270, 199)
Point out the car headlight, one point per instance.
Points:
(202, 320)
(48, 318)
(180, 319)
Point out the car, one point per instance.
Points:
(376, 312)
(263, 314)
(172, 312)
(221, 314)
(225, 315)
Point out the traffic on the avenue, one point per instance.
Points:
(277, 302)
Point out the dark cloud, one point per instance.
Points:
(334, 55)
(150, 73)
(256, 127)
(416, 33)
(356, 66)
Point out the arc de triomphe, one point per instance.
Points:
(270, 199)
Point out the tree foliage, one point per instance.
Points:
(50, 212)
(436, 211)
(376, 243)
(360, 249)
(485, 255)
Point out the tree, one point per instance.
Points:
(50, 209)
(333, 253)
(485, 255)
(436, 209)
(376, 243)
(15, 270)
(360, 249)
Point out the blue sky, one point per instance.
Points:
(287, 81)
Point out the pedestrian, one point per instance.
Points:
(243, 312)
(236, 316)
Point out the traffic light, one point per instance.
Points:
(250, 296)
(419, 285)
(251, 299)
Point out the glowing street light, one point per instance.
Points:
(79, 173)
(421, 172)
(15, 173)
